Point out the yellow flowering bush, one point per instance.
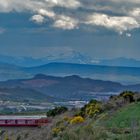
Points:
(76, 120)
(91, 109)
(57, 130)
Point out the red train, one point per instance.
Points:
(24, 122)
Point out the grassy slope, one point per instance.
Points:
(125, 117)
(122, 125)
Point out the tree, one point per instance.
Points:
(56, 111)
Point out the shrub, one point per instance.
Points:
(2, 132)
(84, 133)
(128, 96)
(91, 109)
(57, 130)
(67, 119)
(77, 119)
(69, 135)
(6, 137)
(18, 137)
(56, 111)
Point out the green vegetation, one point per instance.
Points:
(126, 116)
(117, 119)
(56, 111)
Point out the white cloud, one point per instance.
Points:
(19, 6)
(65, 22)
(127, 1)
(44, 12)
(38, 19)
(118, 23)
(135, 12)
(124, 14)
(35, 5)
(65, 3)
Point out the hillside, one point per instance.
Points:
(10, 71)
(124, 117)
(22, 94)
(116, 119)
(67, 88)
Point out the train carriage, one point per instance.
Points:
(29, 121)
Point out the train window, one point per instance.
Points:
(21, 122)
(2, 122)
(30, 121)
(11, 122)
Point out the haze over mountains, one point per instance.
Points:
(126, 71)
(126, 75)
(70, 57)
(27, 79)
(73, 57)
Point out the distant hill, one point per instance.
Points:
(69, 87)
(22, 94)
(126, 75)
(10, 71)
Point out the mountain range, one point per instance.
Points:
(123, 70)
(125, 75)
(60, 88)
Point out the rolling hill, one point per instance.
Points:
(68, 88)
(23, 94)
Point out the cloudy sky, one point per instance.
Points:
(97, 28)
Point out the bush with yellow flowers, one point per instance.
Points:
(77, 120)
(91, 109)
